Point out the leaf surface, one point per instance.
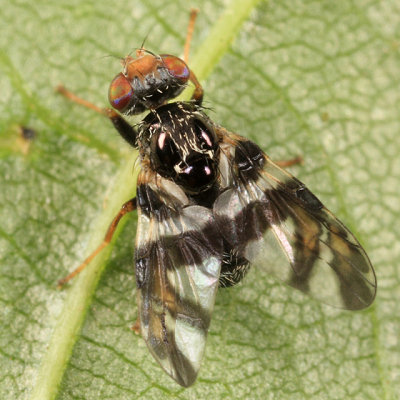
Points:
(315, 78)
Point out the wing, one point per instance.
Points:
(271, 218)
(178, 259)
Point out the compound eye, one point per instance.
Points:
(120, 92)
(176, 67)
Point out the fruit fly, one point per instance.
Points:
(211, 203)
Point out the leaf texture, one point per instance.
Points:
(311, 78)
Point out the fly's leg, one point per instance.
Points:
(125, 209)
(289, 163)
(198, 93)
(120, 124)
(189, 34)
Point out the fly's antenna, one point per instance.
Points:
(144, 40)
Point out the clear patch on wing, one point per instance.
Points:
(271, 218)
(178, 260)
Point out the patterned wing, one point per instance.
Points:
(178, 259)
(270, 218)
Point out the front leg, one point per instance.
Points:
(127, 131)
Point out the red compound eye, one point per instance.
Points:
(176, 67)
(120, 92)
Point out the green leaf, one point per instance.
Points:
(316, 78)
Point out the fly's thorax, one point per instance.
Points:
(182, 145)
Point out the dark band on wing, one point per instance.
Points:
(149, 201)
(347, 257)
(305, 196)
(250, 159)
(185, 373)
(186, 249)
(247, 225)
(178, 308)
(166, 348)
(350, 262)
(308, 231)
(317, 236)
(177, 276)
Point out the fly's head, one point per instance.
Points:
(182, 146)
(147, 81)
